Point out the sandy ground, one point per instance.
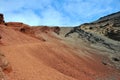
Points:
(53, 59)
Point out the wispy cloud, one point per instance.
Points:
(57, 12)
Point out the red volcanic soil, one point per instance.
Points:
(50, 59)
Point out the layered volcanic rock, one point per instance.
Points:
(105, 30)
(103, 34)
(108, 26)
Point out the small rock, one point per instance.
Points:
(115, 59)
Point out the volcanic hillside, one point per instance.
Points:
(47, 53)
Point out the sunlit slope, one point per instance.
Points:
(50, 59)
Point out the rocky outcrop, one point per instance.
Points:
(108, 26)
(56, 29)
(14, 24)
(2, 19)
(4, 67)
(99, 42)
(105, 32)
(113, 46)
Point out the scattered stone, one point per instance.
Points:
(95, 39)
(115, 59)
(104, 63)
(2, 75)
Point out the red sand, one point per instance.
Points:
(34, 59)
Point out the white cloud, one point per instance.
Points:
(13, 5)
(56, 12)
(27, 17)
(50, 16)
(86, 8)
(24, 12)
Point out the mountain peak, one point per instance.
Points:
(110, 16)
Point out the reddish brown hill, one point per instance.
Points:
(38, 53)
(52, 59)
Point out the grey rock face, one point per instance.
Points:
(104, 34)
(95, 39)
(108, 26)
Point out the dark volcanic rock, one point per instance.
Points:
(108, 26)
(109, 17)
(95, 39)
(56, 30)
(2, 19)
(105, 32)
(100, 42)
(114, 35)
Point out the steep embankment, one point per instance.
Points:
(108, 26)
(103, 34)
(43, 53)
(51, 59)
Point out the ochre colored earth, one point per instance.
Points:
(40, 54)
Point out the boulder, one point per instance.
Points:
(2, 19)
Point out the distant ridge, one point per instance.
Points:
(110, 16)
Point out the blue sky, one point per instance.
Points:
(57, 12)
